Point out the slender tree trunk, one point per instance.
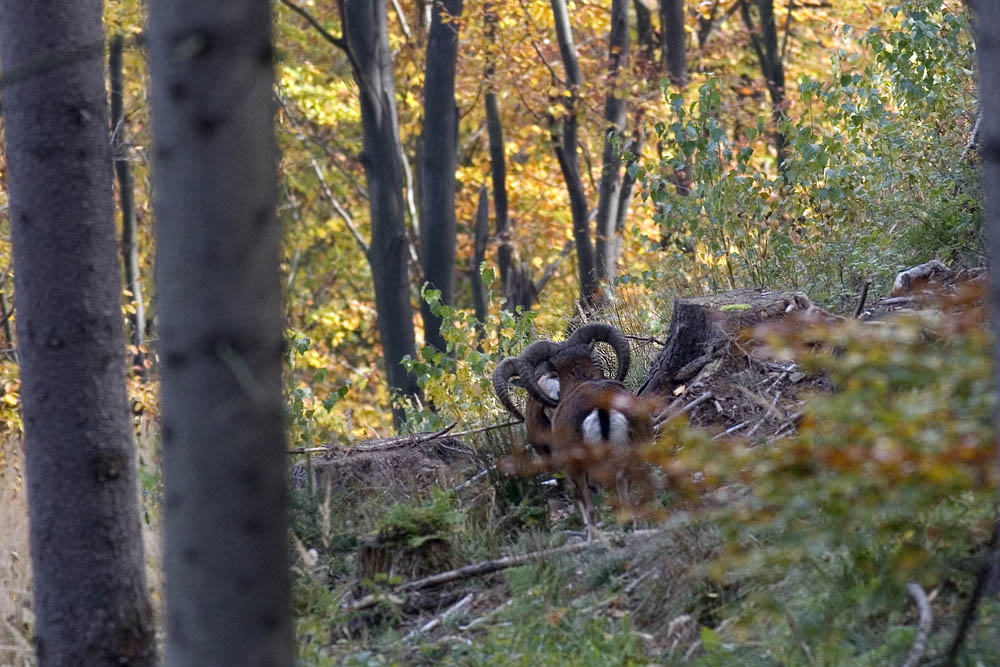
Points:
(673, 40)
(481, 231)
(765, 45)
(438, 163)
(634, 149)
(364, 24)
(130, 244)
(498, 160)
(498, 176)
(221, 338)
(91, 602)
(609, 191)
(644, 26)
(566, 154)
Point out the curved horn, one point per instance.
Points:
(504, 371)
(538, 352)
(532, 356)
(605, 333)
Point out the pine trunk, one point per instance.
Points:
(91, 602)
(221, 338)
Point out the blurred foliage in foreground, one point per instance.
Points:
(890, 479)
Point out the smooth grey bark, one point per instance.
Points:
(765, 46)
(673, 40)
(515, 280)
(566, 153)
(498, 177)
(987, 24)
(481, 230)
(633, 150)
(91, 602)
(609, 190)
(367, 43)
(221, 338)
(644, 26)
(126, 193)
(438, 162)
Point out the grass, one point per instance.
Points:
(16, 618)
(16, 615)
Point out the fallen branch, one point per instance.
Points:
(480, 569)
(662, 418)
(926, 619)
(394, 443)
(448, 613)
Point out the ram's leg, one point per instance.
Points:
(624, 504)
(585, 502)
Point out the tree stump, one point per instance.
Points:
(700, 326)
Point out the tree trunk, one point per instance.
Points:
(91, 602)
(566, 148)
(129, 245)
(438, 163)
(364, 24)
(988, 53)
(609, 191)
(221, 338)
(498, 160)
(481, 230)
(634, 149)
(644, 26)
(765, 45)
(673, 40)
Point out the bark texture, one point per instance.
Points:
(221, 337)
(438, 162)
(91, 602)
(609, 191)
(765, 46)
(365, 28)
(988, 53)
(481, 229)
(566, 154)
(673, 40)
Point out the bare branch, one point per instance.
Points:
(926, 620)
(339, 42)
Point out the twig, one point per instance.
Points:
(730, 430)
(926, 619)
(646, 339)
(341, 211)
(899, 300)
(485, 617)
(551, 268)
(770, 410)
(448, 613)
(974, 138)
(483, 429)
(662, 419)
(402, 20)
(339, 42)
(635, 584)
(475, 478)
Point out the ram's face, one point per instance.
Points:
(576, 362)
(548, 383)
